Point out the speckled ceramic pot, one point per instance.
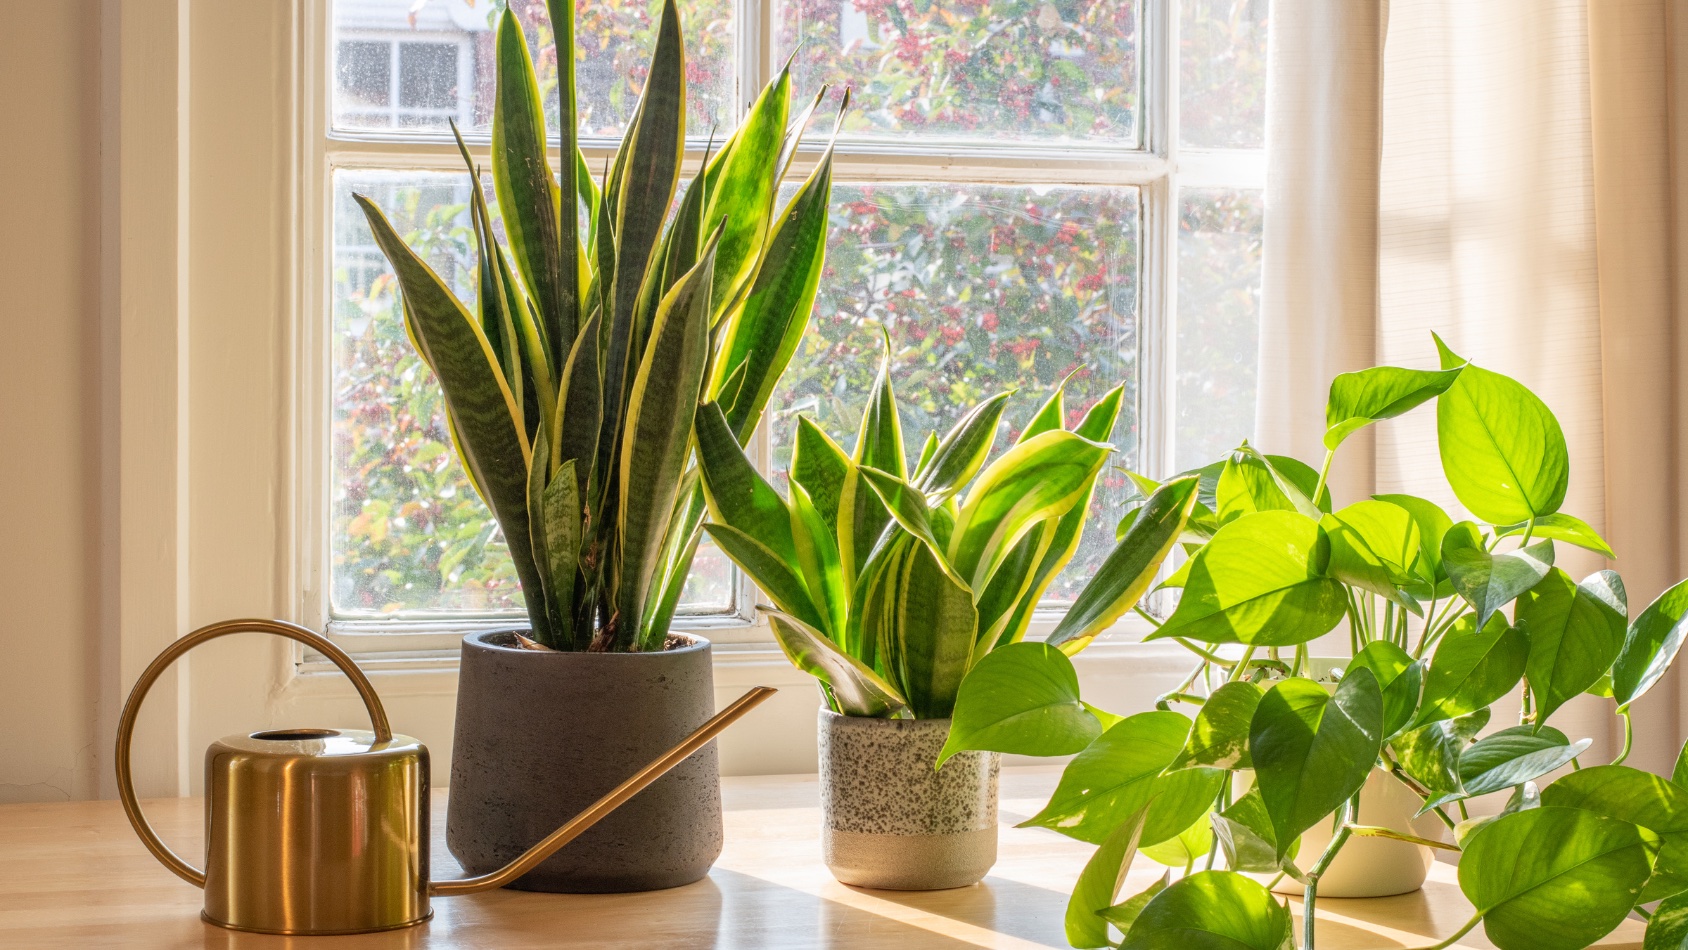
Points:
(542, 735)
(889, 820)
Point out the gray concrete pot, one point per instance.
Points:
(542, 735)
(889, 820)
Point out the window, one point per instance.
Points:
(1026, 192)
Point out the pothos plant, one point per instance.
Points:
(1444, 620)
(890, 582)
(607, 317)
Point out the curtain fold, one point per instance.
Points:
(1523, 199)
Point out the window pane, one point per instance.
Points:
(1054, 70)
(1222, 76)
(1220, 234)
(406, 530)
(982, 288)
(614, 42)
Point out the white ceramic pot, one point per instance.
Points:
(1369, 866)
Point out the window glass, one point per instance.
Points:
(407, 532)
(981, 288)
(446, 55)
(1026, 70)
(1220, 235)
(1222, 73)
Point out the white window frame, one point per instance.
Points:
(1159, 168)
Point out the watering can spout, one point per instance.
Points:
(603, 806)
(325, 831)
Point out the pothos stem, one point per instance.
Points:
(1629, 737)
(1454, 937)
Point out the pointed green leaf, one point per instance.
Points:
(561, 505)
(1260, 581)
(1212, 910)
(1039, 479)
(1472, 669)
(1429, 755)
(1120, 772)
(1553, 878)
(964, 449)
(741, 181)
(817, 557)
(657, 439)
(1051, 415)
(1099, 883)
(1561, 527)
(1219, 737)
(1642, 799)
(820, 466)
(859, 690)
(906, 504)
(1021, 699)
(1313, 750)
(1512, 757)
(779, 580)
(1433, 524)
(935, 626)
(1381, 392)
(1245, 837)
(579, 418)
(1502, 450)
(879, 443)
(1125, 913)
(1373, 546)
(1575, 632)
(1402, 680)
(1130, 568)
(737, 493)
(1651, 645)
(1491, 581)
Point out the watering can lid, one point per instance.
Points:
(320, 742)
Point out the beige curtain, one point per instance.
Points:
(1501, 172)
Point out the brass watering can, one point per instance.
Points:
(325, 831)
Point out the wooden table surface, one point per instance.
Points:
(74, 875)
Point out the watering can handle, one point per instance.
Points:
(132, 708)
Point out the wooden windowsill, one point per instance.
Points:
(74, 875)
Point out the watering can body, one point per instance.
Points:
(316, 831)
(325, 831)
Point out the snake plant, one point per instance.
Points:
(607, 317)
(888, 583)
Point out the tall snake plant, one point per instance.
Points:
(572, 382)
(889, 584)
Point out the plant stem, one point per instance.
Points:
(1300, 660)
(1372, 831)
(1529, 529)
(1454, 937)
(1241, 667)
(1629, 737)
(1207, 655)
(1310, 896)
(1138, 608)
(1324, 476)
(1179, 697)
(1643, 912)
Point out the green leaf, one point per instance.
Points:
(1575, 632)
(657, 439)
(858, 690)
(935, 630)
(1313, 750)
(1219, 737)
(1124, 914)
(1051, 415)
(741, 180)
(820, 466)
(1402, 680)
(879, 443)
(1374, 545)
(1472, 668)
(1382, 392)
(763, 331)
(1512, 757)
(560, 502)
(1041, 478)
(1250, 482)
(1679, 774)
(486, 422)
(963, 450)
(1429, 755)
(780, 580)
(1502, 450)
(817, 558)
(580, 416)
(1553, 878)
(1125, 575)
(1185, 847)
(906, 504)
(1246, 839)
(1212, 910)
(1099, 883)
(1098, 421)
(1651, 645)
(1433, 524)
(1561, 527)
(737, 494)
(1023, 699)
(1524, 796)
(1260, 581)
(1668, 930)
(527, 195)
(1491, 581)
(1642, 799)
(1120, 773)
